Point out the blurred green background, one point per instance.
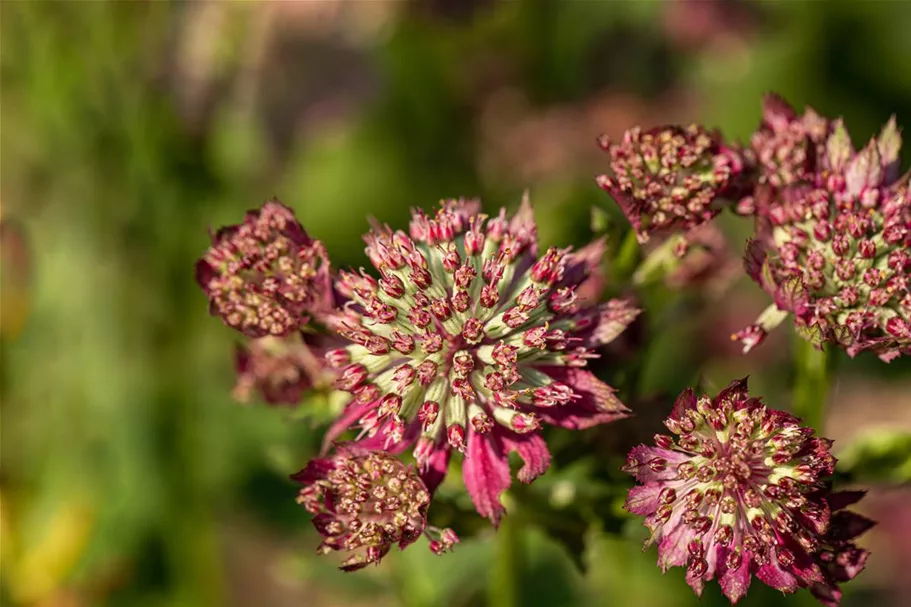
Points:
(130, 477)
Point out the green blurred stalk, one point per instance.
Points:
(813, 372)
(626, 259)
(504, 588)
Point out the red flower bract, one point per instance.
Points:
(668, 178)
(739, 492)
(266, 275)
(363, 503)
(468, 341)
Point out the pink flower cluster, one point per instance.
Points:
(464, 339)
(739, 491)
(833, 235)
(468, 342)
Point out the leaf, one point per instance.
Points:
(600, 221)
(879, 455)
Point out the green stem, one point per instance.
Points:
(812, 378)
(504, 589)
(627, 258)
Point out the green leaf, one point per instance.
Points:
(879, 455)
(600, 221)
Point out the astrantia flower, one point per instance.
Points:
(668, 178)
(738, 493)
(266, 275)
(280, 369)
(836, 253)
(469, 342)
(364, 503)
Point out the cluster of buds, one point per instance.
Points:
(786, 148)
(364, 503)
(669, 178)
(469, 342)
(278, 369)
(832, 247)
(265, 276)
(701, 258)
(740, 492)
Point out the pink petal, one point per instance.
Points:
(613, 319)
(637, 463)
(533, 451)
(583, 270)
(643, 499)
(575, 418)
(776, 577)
(827, 594)
(352, 413)
(776, 112)
(433, 470)
(696, 583)
(380, 442)
(849, 563)
(847, 525)
(316, 469)
(485, 472)
(672, 549)
(735, 392)
(686, 400)
(595, 396)
(204, 273)
(753, 261)
(864, 170)
(843, 499)
(523, 226)
(734, 584)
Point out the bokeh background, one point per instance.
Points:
(130, 477)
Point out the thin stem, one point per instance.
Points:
(812, 379)
(627, 258)
(504, 589)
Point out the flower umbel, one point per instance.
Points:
(363, 503)
(739, 492)
(834, 252)
(266, 275)
(668, 178)
(469, 342)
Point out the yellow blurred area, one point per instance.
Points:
(36, 560)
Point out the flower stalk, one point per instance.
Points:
(505, 589)
(812, 378)
(627, 258)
